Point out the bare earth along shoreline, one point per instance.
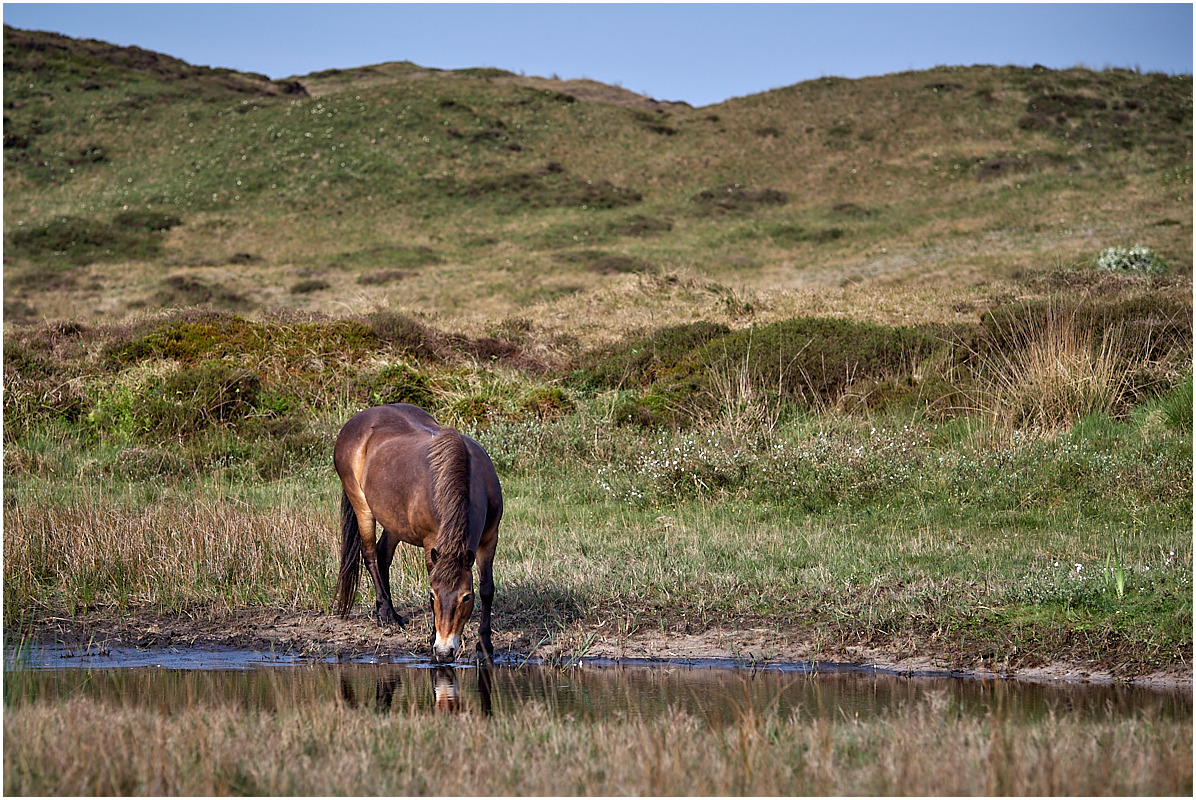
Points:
(318, 634)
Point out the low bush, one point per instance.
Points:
(548, 402)
(807, 361)
(308, 286)
(190, 336)
(185, 402)
(476, 410)
(1138, 258)
(641, 361)
(143, 221)
(392, 257)
(1053, 374)
(396, 383)
(1176, 404)
(184, 290)
(551, 187)
(404, 333)
(131, 235)
(788, 233)
(1153, 331)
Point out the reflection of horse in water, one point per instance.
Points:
(446, 691)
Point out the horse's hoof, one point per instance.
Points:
(484, 655)
(385, 620)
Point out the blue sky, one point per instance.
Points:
(699, 53)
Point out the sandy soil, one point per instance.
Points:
(321, 634)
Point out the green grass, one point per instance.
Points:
(968, 540)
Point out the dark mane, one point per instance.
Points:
(450, 476)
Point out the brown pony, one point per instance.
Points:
(428, 486)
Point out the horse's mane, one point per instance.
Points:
(450, 498)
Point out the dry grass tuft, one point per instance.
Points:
(1058, 370)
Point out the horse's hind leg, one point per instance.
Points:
(367, 524)
(377, 561)
(384, 610)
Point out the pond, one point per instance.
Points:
(716, 693)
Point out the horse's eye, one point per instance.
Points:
(467, 598)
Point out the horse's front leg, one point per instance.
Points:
(485, 562)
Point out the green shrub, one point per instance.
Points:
(809, 361)
(548, 402)
(643, 360)
(788, 233)
(1138, 258)
(194, 335)
(550, 187)
(651, 410)
(396, 383)
(308, 286)
(184, 290)
(1177, 404)
(189, 338)
(78, 241)
(141, 221)
(394, 257)
(406, 334)
(476, 410)
(734, 197)
(193, 399)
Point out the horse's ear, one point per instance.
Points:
(469, 557)
(434, 554)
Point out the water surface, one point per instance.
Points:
(712, 692)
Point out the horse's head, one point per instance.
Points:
(451, 583)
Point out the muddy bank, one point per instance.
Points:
(319, 634)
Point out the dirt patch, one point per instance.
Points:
(322, 634)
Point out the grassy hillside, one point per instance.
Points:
(838, 356)
(134, 181)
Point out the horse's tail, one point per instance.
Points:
(449, 456)
(346, 583)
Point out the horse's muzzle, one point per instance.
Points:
(445, 649)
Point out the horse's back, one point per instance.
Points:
(396, 419)
(380, 424)
(386, 450)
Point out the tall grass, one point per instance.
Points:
(1058, 370)
(136, 551)
(335, 750)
